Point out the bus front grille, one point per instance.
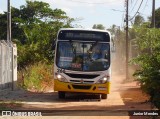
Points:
(86, 76)
(78, 81)
(81, 87)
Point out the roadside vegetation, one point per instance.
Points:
(149, 62)
(34, 29)
(37, 77)
(144, 54)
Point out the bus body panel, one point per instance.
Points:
(97, 88)
(93, 88)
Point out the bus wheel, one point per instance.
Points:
(104, 96)
(61, 94)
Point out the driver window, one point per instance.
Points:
(97, 52)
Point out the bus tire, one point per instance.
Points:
(104, 96)
(61, 94)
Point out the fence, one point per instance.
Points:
(8, 65)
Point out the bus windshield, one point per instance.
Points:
(83, 56)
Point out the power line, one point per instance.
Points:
(117, 10)
(134, 6)
(131, 1)
(143, 14)
(91, 2)
(145, 5)
(122, 24)
(123, 16)
(97, 3)
(137, 10)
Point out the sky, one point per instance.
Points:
(90, 12)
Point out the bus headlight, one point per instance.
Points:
(103, 80)
(61, 78)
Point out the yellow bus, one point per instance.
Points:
(82, 62)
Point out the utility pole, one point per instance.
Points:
(10, 50)
(9, 22)
(153, 14)
(127, 52)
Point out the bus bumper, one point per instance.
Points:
(83, 88)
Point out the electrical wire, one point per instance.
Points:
(117, 10)
(134, 6)
(122, 24)
(145, 5)
(98, 3)
(91, 2)
(142, 14)
(137, 11)
(131, 1)
(123, 17)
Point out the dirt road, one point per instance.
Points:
(123, 97)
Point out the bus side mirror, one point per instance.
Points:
(54, 44)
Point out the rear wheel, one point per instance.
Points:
(61, 95)
(104, 96)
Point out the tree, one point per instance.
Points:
(118, 46)
(157, 18)
(149, 62)
(113, 29)
(34, 27)
(17, 32)
(138, 20)
(98, 26)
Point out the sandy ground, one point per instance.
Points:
(125, 95)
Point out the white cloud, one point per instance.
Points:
(70, 5)
(83, 3)
(62, 3)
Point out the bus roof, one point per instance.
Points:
(82, 29)
(83, 34)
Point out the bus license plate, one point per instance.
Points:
(102, 88)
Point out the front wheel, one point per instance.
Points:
(104, 96)
(61, 95)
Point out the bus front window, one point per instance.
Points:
(80, 56)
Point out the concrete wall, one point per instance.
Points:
(8, 65)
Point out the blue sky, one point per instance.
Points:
(106, 12)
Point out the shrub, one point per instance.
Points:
(38, 77)
(149, 63)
